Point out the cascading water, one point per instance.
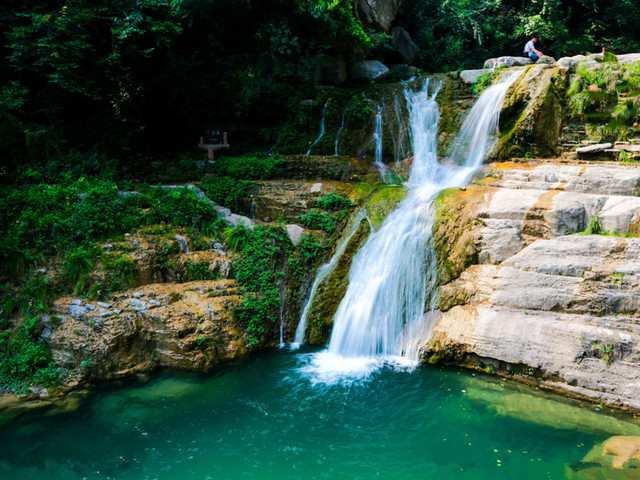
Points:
(399, 138)
(337, 144)
(377, 138)
(393, 276)
(321, 134)
(323, 272)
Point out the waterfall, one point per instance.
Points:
(392, 279)
(321, 134)
(339, 132)
(377, 138)
(323, 272)
(399, 138)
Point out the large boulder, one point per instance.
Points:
(508, 61)
(470, 76)
(628, 58)
(570, 62)
(377, 13)
(369, 71)
(404, 45)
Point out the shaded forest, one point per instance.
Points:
(90, 86)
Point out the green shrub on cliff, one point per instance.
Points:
(24, 358)
(226, 191)
(317, 220)
(183, 207)
(259, 269)
(332, 201)
(248, 167)
(609, 94)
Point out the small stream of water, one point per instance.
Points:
(321, 134)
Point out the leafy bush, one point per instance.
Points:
(259, 271)
(102, 212)
(594, 227)
(182, 206)
(226, 191)
(309, 249)
(201, 271)
(486, 79)
(237, 238)
(359, 112)
(249, 168)
(332, 201)
(36, 294)
(609, 94)
(119, 275)
(24, 358)
(77, 265)
(317, 220)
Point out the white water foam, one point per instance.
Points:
(377, 139)
(392, 280)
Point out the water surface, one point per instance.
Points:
(267, 419)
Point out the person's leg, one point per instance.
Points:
(534, 58)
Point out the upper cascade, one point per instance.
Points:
(392, 277)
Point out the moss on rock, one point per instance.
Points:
(533, 114)
(383, 202)
(455, 231)
(332, 290)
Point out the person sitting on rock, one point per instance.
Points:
(530, 50)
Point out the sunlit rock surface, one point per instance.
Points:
(526, 294)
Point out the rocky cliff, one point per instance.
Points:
(528, 292)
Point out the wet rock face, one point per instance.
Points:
(533, 114)
(525, 293)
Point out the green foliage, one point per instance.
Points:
(226, 191)
(317, 220)
(259, 270)
(237, 238)
(610, 94)
(359, 112)
(100, 213)
(249, 167)
(77, 265)
(463, 33)
(25, 360)
(486, 79)
(332, 201)
(65, 220)
(36, 294)
(120, 273)
(183, 207)
(594, 227)
(201, 271)
(309, 249)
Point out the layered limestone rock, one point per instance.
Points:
(526, 295)
(185, 326)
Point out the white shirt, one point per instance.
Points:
(528, 47)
